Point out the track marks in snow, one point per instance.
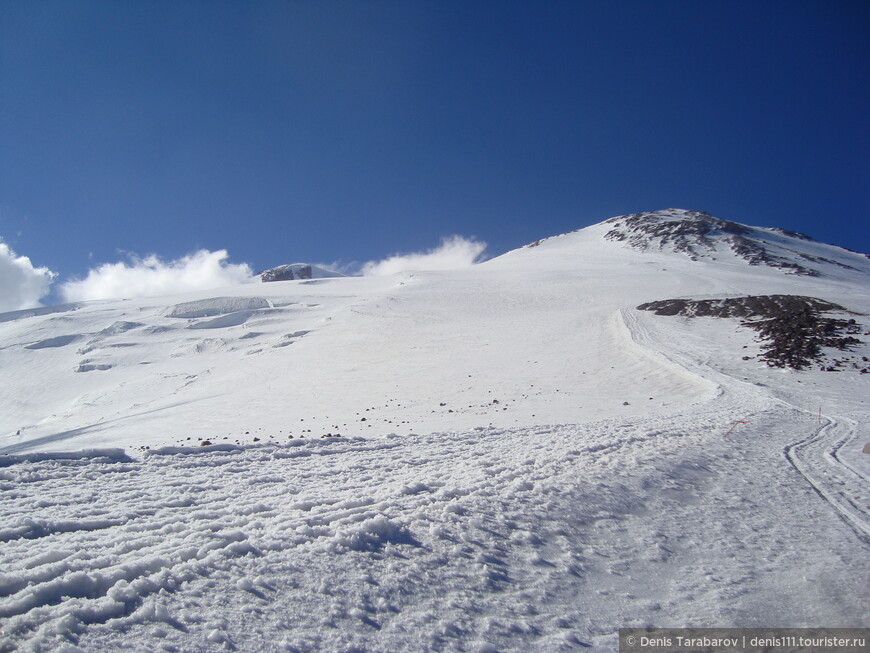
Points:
(31, 529)
(815, 454)
(839, 484)
(441, 509)
(541, 538)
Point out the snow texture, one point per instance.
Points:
(508, 457)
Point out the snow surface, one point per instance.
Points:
(526, 462)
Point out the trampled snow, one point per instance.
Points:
(517, 459)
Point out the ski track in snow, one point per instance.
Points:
(815, 456)
(837, 482)
(545, 538)
(731, 499)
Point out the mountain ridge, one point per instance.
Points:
(699, 235)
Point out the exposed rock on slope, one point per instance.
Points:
(792, 326)
(294, 271)
(749, 306)
(701, 235)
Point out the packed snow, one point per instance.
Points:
(507, 457)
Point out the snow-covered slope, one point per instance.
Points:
(526, 461)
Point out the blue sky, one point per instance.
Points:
(348, 131)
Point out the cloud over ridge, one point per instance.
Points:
(151, 276)
(21, 284)
(453, 252)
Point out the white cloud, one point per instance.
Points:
(453, 252)
(150, 276)
(21, 284)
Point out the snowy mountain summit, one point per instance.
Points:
(295, 271)
(701, 235)
(656, 420)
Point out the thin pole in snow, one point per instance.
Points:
(734, 426)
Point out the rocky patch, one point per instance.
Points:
(697, 234)
(793, 328)
(296, 271)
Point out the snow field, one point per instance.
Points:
(418, 354)
(528, 464)
(527, 539)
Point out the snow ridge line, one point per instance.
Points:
(110, 455)
(643, 342)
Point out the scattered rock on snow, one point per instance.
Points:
(792, 326)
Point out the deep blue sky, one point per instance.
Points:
(325, 131)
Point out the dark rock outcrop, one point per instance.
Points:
(296, 271)
(697, 233)
(286, 273)
(792, 327)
